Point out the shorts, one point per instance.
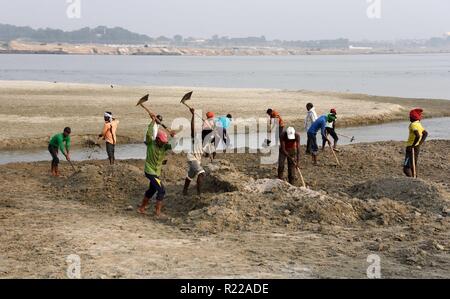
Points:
(408, 157)
(195, 168)
(110, 150)
(53, 150)
(312, 141)
(155, 187)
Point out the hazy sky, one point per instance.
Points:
(283, 19)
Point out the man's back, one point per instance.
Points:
(319, 124)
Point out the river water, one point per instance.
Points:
(402, 75)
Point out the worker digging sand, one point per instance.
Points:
(157, 146)
(330, 130)
(417, 136)
(209, 135)
(60, 141)
(194, 158)
(319, 124)
(223, 123)
(290, 150)
(109, 135)
(274, 120)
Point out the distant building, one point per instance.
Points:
(359, 48)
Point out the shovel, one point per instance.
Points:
(301, 175)
(351, 138)
(186, 98)
(141, 103)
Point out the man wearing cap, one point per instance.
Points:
(290, 150)
(319, 125)
(109, 135)
(208, 134)
(417, 136)
(330, 130)
(157, 147)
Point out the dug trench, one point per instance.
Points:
(363, 206)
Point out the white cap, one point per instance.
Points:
(290, 133)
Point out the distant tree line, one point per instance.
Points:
(99, 34)
(118, 35)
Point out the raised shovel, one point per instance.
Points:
(141, 103)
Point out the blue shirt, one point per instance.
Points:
(319, 124)
(224, 121)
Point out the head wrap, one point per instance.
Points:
(210, 114)
(108, 115)
(331, 117)
(416, 114)
(333, 111)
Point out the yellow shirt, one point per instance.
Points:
(415, 126)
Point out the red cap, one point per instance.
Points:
(162, 137)
(416, 114)
(333, 111)
(210, 114)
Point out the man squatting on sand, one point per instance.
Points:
(109, 135)
(59, 141)
(417, 136)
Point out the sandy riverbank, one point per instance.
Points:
(30, 112)
(245, 225)
(21, 47)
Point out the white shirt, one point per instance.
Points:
(311, 117)
(196, 151)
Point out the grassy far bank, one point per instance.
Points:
(30, 112)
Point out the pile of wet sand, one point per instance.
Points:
(232, 201)
(415, 192)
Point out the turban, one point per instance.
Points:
(416, 114)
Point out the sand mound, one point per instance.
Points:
(118, 186)
(416, 192)
(270, 203)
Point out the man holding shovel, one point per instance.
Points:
(157, 146)
(319, 124)
(194, 158)
(331, 130)
(290, 150)
(109, 135)
(60, 141)
(417, 136)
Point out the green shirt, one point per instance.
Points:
(58, 141)
(155, 154)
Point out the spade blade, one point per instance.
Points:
(143, 100)
(187, 97)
